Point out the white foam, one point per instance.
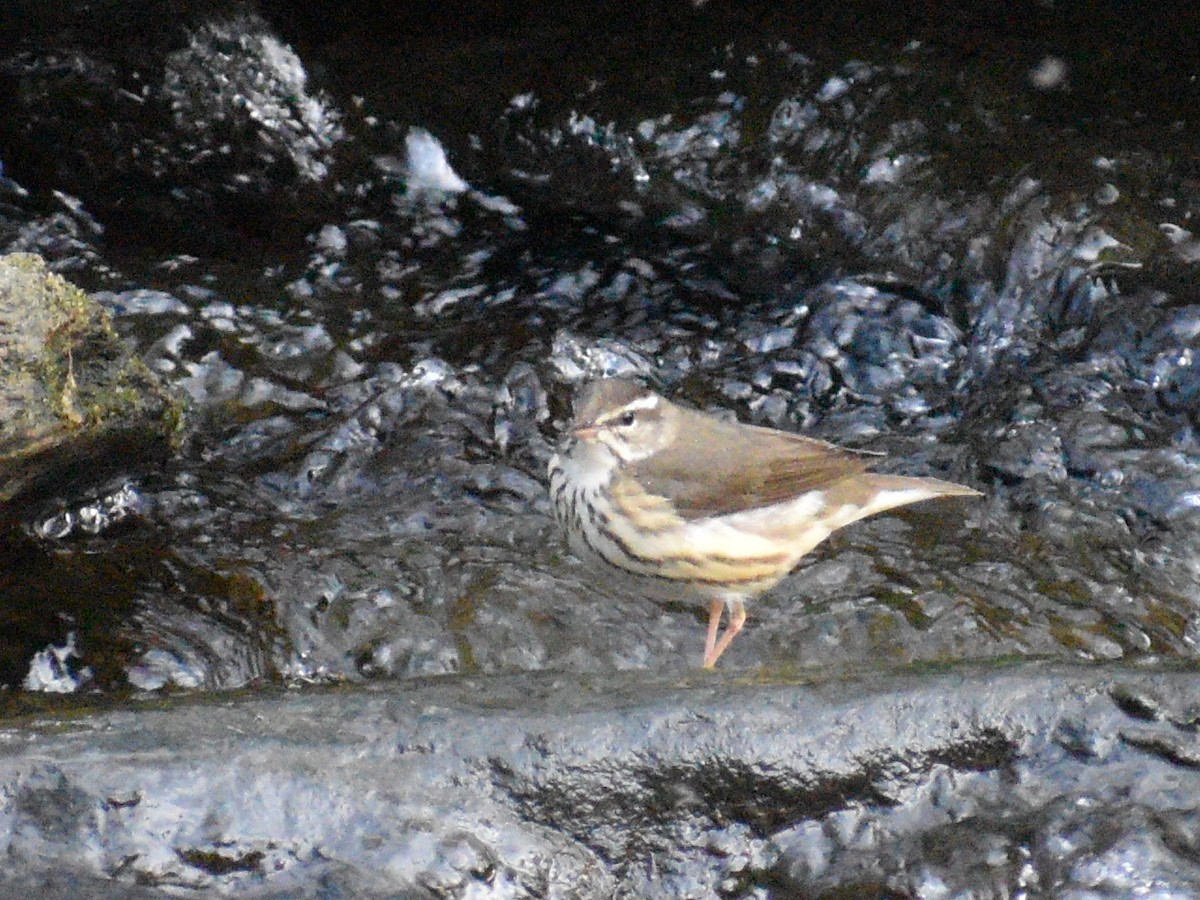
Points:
(428, 168)
(49, 671)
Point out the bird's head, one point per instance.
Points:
(624, 418)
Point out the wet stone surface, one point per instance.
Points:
(377, 264)
(1000, 779)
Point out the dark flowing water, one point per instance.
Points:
(376, 268)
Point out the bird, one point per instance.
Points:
(699, 505)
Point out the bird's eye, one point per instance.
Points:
(626, 419)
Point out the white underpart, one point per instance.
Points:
(797, 510)
(747, 535)
(792, 528)
(882, 501)
(756, 532)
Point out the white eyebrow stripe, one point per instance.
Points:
(648, 402)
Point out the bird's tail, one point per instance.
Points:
(890, 491)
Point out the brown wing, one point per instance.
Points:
(715, 468)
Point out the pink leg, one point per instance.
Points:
(737, 618)
(715, 608)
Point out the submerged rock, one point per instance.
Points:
(75, 404)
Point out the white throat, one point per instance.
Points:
(588, 466)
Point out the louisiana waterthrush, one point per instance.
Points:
(698, 504)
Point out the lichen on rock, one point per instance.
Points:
(75, 404)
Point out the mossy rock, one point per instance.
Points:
(76, 407)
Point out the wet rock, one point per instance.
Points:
(880, 245)
(896, 245)
(196, 133)
(1042, 775)
(75, 405)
